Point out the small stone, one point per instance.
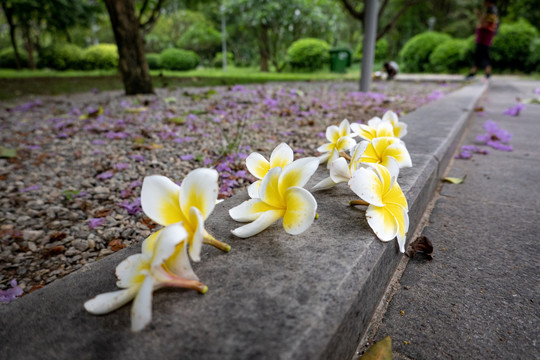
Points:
(80, 245)
(32, 235)
(105, 252)
(32, 246)
(101, 190)
(71, 251)
(91, 244)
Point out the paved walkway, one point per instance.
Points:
(479, 297)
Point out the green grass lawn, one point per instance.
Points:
(15, 83)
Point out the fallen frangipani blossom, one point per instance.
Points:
(381, 150)
(280, 196)
(387, 213)
(191, 203)
(258, 166)
(163, 263)
(340, 139)
(495, 137)
(389, 125)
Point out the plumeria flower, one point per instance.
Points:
(340, 139)
(340, 170)
(389, 125)
(387, 213)
(191, 203)
(163, 263)
(280, 196)
(381, 150)
(258, 166)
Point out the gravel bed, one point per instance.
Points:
(70, 196)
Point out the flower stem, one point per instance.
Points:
(344, 155)
(358, 202)
(173, 280)
(210, 240)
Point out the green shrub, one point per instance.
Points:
(308, 54)
(449, 56)
(414, 56)
(201, 38)
(511, 46)
(381, 50)
(61, 57)
(534, 56)
(154, 61)
(218, 59)
(467, 53)
(7, 59)
(177, 59)
(102, 56)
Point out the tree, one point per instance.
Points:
(132, 61)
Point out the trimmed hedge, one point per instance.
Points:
(414, 56)
(202, 39)
(218, 59)
(534, 56)
(308, 54)
(102, 56)
(7, 59)
(154, 61)
(61, 57)
(511, 46)
(381, 50)
(178, 59)
(449, 56)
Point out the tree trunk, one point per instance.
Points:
(29, 45)
(8, 11)
(132, 62)
(263, 50)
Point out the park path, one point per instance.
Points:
(479, 296)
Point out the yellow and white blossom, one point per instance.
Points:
(387, 213)
(258, 166)
(389, 125)
(340, 139)
(191, 203)
(280, 196)
(163, 263)
(381, 150)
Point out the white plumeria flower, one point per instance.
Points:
(387, 213)
(258, 166)
(163, 263)
(389, 125)
(340, 170)
(340, 139)
(381, 150)
(280, 196)
(191, 203)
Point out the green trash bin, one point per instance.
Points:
(340, 60)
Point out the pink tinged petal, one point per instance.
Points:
(249, 210)
(199, 189)
(253, 189)
(195, 245)
(262, 222)
(128, 271)
(332, 134)
(382, 222)
(257, 165)
(141, 311)
(282, 156)
(166, 243)
(159, 200)
(107, 302)
(324, 184)
(268, 190)
(339, 171)
(179, 264)
(366, 184)
(297, 173)
(301, 210)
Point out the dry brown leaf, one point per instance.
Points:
(421, 245)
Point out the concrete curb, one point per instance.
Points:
(273, 296)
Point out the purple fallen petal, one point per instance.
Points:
(105, 175)
(95, 222)
(30, 188)
(9, 295)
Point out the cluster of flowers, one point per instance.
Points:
(278, 194)
(494, 137)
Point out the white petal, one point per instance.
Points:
(257, 165)
(393, 168)
(390, 117)
(253, 189)
(282, 156)
(374, 122)
(344, 128)
(332, 134)
(301, 210)
(262, 222)
(141, 311)
(326, 147)
(382, 222)
(268, 190)
(333, 156)
(345, 143)
(339, 171)
(148, 244)
(399, 152)
(195, 245)
(179, 264)
(249, 210)
(166, 243)
(400, 130)
(297, 173)
(324, 184)
(159, 200)
(323, 158)
(199, 189)
(366, 184)
(128, 271)
(385, 129)
(107, 302)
